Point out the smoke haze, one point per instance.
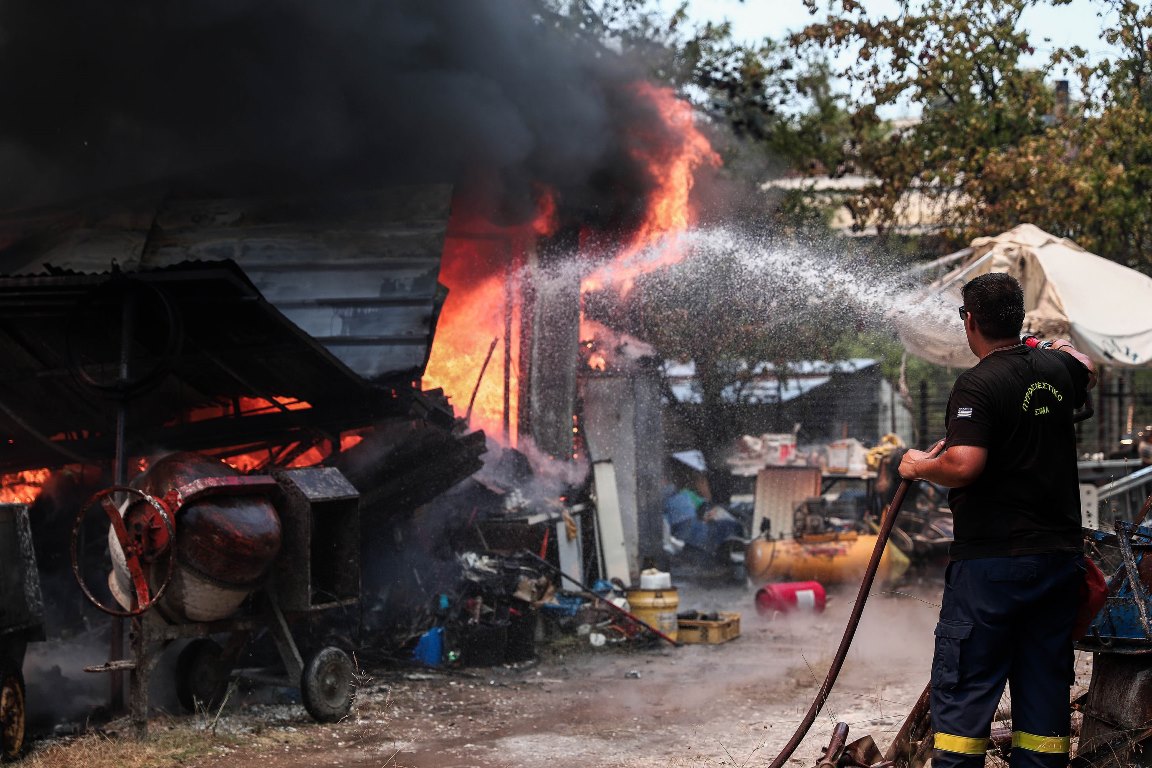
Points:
(238, 95)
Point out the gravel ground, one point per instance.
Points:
(735, 703)
(731, 704)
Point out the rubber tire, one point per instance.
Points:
(328, 685)
(12, 713)
(201, 677)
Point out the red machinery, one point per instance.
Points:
(220, 553)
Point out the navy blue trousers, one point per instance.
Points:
(1005, 619)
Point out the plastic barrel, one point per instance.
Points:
(656, 607)
(790, 596)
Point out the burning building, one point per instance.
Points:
(245, 149)
(356, 237)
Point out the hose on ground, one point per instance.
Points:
(886, 524)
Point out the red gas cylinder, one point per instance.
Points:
(790, 596)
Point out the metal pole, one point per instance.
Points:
(506, 422)
(606, 602)
(120, 477)
(480, 379)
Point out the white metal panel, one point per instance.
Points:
(571, 556)
(778, 491)
(1089, 506)
(609, 524)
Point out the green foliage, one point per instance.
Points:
(763, 93)
(1110, 141)
(638, 29)
(960, 62)
(992, 147)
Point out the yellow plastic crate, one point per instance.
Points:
(698, 631)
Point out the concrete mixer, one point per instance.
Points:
(219, 553)
(229, 537)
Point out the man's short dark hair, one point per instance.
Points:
(996, 301)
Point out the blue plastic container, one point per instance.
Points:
(429, 649)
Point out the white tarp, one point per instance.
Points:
(1105, 308)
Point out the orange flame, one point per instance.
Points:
(546, 222)
(252, 405)
(22, 487)
(481, 315)
(263, 459)
(479, 325)
(319, 453)
(248, 462)
(672, 167)
(245, 406)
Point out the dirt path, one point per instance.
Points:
(698, 705)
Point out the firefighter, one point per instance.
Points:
(1016, 563)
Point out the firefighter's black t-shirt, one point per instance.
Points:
(1018, 403)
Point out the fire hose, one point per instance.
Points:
(886, 524)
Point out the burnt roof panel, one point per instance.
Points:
(198, 334)
(357, 270)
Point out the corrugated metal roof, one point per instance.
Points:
(764, 386)
(198, 334)
(355, 271)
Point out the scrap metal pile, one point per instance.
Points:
(230, 384)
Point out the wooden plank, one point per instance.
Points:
(609, 525)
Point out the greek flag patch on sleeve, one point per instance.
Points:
(963, 413)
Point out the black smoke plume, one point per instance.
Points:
(243, 96)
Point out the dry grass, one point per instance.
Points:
(171, 742)
(206, 738)
(178, 746)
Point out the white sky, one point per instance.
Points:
(1073, 24)
(752, 20)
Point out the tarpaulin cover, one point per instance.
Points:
(1101, 306)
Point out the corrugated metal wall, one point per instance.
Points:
(355, 270)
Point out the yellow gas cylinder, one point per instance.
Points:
(828, 559)
(656, 607)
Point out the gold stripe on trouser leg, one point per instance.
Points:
(963, 745)
(1050, 745)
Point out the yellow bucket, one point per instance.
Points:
(657, 608)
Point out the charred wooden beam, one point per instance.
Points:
(553, 339)
(405, 464)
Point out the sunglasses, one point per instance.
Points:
(963, 312)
